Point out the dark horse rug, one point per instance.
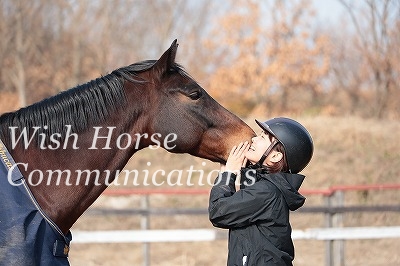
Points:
(27, 235)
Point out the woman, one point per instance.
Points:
(257, 215)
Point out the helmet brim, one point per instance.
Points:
(265, 127)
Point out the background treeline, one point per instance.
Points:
(272, 56)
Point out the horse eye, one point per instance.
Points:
(195, 95)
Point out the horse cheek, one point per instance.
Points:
(187, 140)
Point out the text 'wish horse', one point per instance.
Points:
(97, 126)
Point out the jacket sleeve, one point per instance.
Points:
(230, 209)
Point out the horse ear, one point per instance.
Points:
(167, 60)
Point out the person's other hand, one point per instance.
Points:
(236, 159)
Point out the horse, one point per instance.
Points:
(92, 128)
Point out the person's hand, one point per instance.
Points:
(236, 159)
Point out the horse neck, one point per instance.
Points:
(100, 150)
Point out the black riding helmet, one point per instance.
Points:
(295, 139)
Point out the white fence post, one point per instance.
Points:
(145, 225)
(339, 253)
(328, 224)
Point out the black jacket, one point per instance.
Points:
(257, 216)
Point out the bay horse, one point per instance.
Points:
(97, 127)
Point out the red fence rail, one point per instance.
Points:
(202, 191)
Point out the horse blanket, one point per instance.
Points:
(27, 235)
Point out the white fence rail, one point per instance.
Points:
(145, 236)
(189, 235)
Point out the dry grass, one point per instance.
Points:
(347, 151)
(8, 102)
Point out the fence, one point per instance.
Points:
(333, 233)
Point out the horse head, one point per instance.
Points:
(183, 111)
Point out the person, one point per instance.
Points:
(257, 215)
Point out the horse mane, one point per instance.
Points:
(80, 107)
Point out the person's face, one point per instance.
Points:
(257, 148)
(259, 145)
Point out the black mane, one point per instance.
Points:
(80, 107)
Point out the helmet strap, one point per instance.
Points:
(259, 164)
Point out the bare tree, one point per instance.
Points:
(21, 44)
(266, 50)
(375, 24)
(50, 45)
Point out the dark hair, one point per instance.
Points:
(282, 165)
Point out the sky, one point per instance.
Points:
(330, 10)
